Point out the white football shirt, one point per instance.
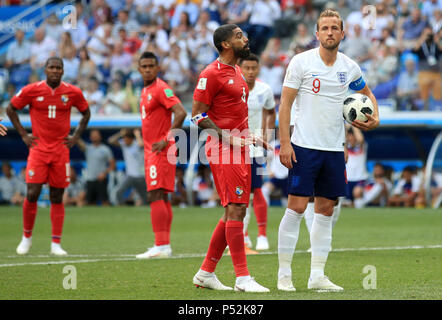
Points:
(317, 110)
(260, 97)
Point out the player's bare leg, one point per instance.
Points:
(161, 219)
(287, 238)
(57, 219)
(320, 239)
(29, 215)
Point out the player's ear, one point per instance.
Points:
(226, 44)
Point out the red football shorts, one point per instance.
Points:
(232, 177)
(160, 171)
(52, 168)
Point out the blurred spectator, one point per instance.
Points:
(179, 197)
(302, 38)
(41, 49)
(214, 8)
(6, 97)
(411, 30)
(355, 17)
(357, 46)
(121, 61)
(375, 190)
(93, 95)
(408, 89)
(131, 43)
(131, 97)
(115, 100)
(19, 51)
(131, 143)
(435, 190)
(154, 33)
(80, 35)
(430, 7)
(53, 27)
(71, 65)
(273, 73)
(260, 28)
(176, 70)
(383, 19)
(405, 191)
(429, 49)
(203, 187)
(356, 165)
(99, 163)
(65, 44)
(11, 190)
(99, 46)
(101, 12)
(187, 6)
(123, 22)
(205, 22)
(75, 193)
(237, 12)
(274, 49)
(86, 69)
(202, 50)
(384, 63)
(436, 20)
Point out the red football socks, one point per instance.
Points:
(159, 216)
(260, 209)
(235, 240)
(169, 219)
(29, 214)
(217, 246)
(57, 219)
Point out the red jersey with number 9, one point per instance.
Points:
(50, 111)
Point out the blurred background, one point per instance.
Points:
(396, 43)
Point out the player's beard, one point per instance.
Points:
(332, 46)
(242, 53)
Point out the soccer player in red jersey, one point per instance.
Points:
(50, 102)
(157, 104)
(220, 104)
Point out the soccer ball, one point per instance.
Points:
(356, 106)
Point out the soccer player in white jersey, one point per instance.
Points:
(319, 80)
(262, 115)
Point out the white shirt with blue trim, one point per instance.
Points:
(317, 111)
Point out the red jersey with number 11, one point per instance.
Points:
(50, 111)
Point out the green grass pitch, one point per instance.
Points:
(403, 245)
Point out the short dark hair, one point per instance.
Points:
(329, 13)
(221, 34)
(148, 55)
(250, 57)
(54, 58)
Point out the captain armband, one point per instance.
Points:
(199, 117)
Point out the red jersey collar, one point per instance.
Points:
(150, 85)
(224, 64)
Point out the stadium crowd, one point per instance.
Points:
(398, 48)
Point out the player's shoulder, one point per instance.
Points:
(306, 56)
(211, 69)
(32, 87)
(262, 85)
(347, 60)
(68, 87)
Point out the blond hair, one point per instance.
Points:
(329, 13)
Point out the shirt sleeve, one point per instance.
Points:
(80, 102)
(167, 97)
(23, 97)
(270, 100)
(206, 88)
(293, 75)
(357, 81)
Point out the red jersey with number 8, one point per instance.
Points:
(50, 111)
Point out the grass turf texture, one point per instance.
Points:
(102, 243)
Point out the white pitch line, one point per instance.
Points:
(129, 257)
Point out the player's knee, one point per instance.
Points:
(56, 196)
(32, 193)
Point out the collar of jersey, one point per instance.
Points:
(225, 64)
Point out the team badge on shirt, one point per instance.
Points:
(40, 98)
(168, 93)
(64, 98)
(239, 191)
(342, 77)
(149, 97)
(31, 173)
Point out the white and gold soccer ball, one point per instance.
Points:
(356, 106)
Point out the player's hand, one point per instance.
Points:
(287, 155)
(370, 124)
(70, 141)
(102, 176)
(159, 146)
(258, 141)
(238, 142)
(3, 129)
(30, 140)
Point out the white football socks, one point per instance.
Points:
(336, 212)
(320, 239)
(287, 239)
(308, 215)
